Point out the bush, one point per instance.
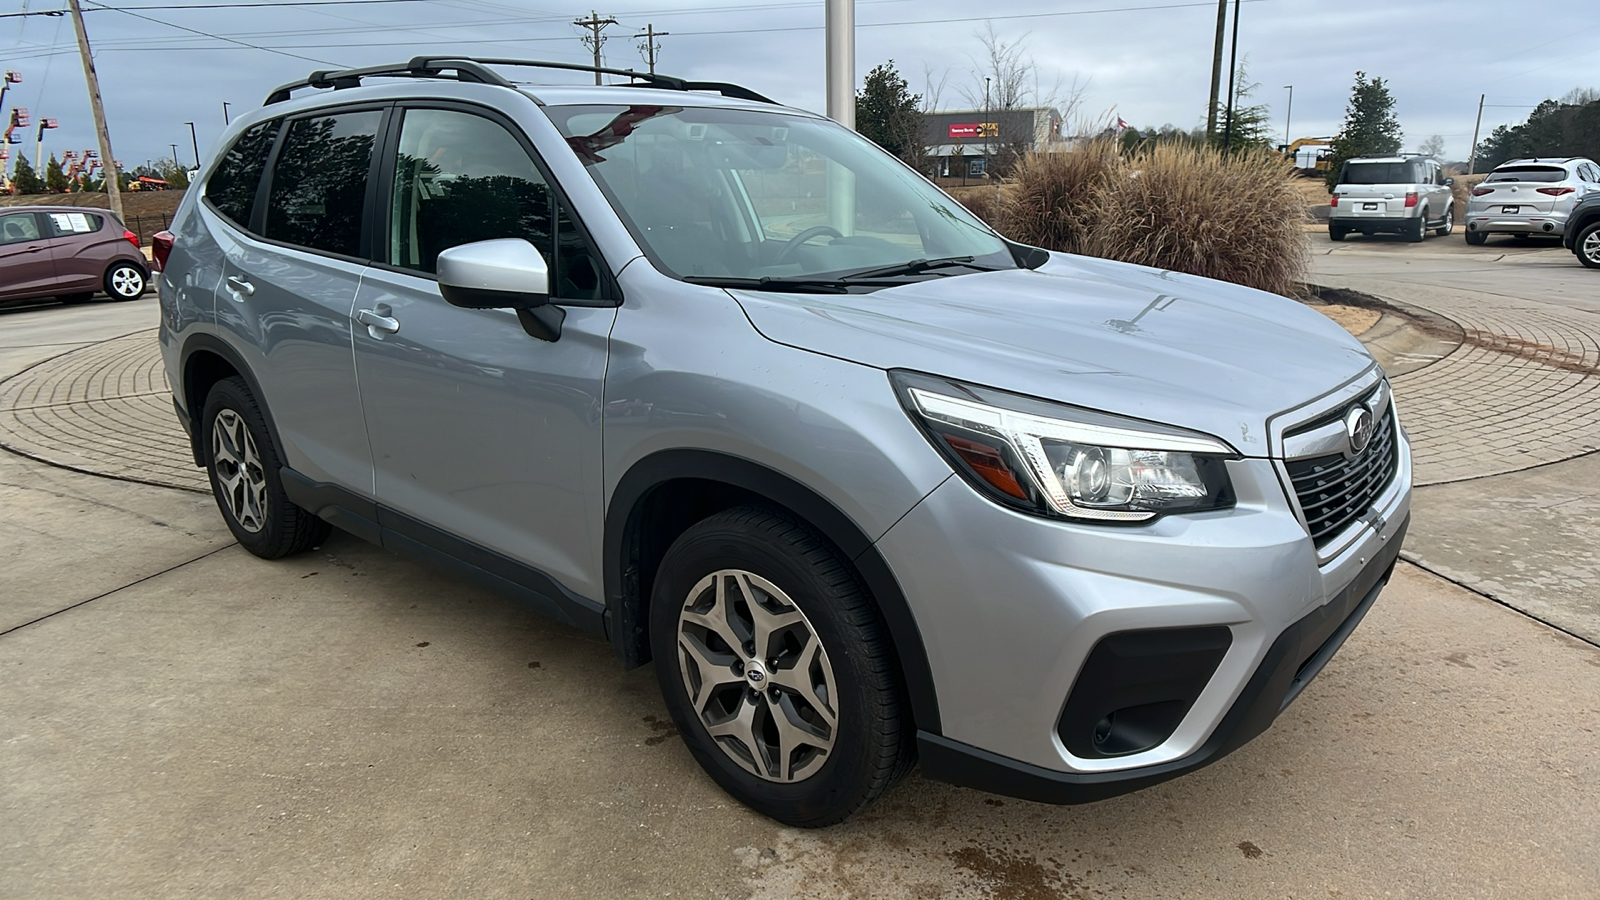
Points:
(1167, 205)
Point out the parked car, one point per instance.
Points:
(1530, 196)
(726, 384)
(68, 252)
(1405, 195)
(1582, 235)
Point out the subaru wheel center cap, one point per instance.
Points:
(756, 674)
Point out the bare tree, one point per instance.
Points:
(1005, 79)
(1580, 96)
(1433, 146)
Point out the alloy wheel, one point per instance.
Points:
(241, 478)
(757, 676)
(1591, 247)
(127, 283)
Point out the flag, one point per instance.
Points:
(1121, 125)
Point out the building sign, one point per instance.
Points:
(974, 130)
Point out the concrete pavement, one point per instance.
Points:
(177, 717)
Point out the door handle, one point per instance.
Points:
(240, 286)
(378, 324)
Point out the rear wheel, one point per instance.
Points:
(776, 668)
(1418, 228)
(1337, 232)
(1476, 238)
(243, 465)
(1449, 222)
(125, 281)
(1587, 246)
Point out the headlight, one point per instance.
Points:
(1059, 460)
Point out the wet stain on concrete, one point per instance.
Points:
(665, 731)
(535, 665)
(1250, 851)
(1010, 875)
(423, 644)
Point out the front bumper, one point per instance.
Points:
(1012, 619)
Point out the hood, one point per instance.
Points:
(1124, 339)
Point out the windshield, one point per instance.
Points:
(713, 193)
(1380, 173)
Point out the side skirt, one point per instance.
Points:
(405, 536)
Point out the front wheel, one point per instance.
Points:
(125, 281)
(1449, 222)
(1587, 246)
(1476, 238)
(776, 668)
(243, 465)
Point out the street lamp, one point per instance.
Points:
(196, 142)
(174, 155)
(1286, 117)
(225, 120)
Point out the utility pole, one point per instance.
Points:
(649, 47)
(1216, 69)
(1472, 155)
(595, 39)
(113, 181)
(196, 142)
(1288, 117)
(1233, 61)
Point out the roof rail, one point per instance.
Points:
(475, 70)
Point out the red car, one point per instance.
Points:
(70, 253)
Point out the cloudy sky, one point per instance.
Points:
(166, 62)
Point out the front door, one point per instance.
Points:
(26, 269)
(479, 430)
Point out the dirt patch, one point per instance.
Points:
(1545, 354)
(1354, 319)
(144, 212)
(1008, 875)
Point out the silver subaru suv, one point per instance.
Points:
(726, 384)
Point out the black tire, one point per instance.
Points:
(1417, 231)
(1336, 232)
(1448, 224)
(872, 742)
(1475, 238)
(125, 280)
(1588, 256)
(267, 524)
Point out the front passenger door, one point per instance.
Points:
(479, 431)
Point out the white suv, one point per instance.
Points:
(1530, 196)
(1404, 195)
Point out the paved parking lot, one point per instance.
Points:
(178, 717)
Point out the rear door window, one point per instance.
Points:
(319, 182)
(231, 189)
(70, 223)
(1380, 173)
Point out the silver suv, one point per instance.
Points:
(1405, 195)
(726, 384)
(1530, 196)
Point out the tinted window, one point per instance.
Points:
(232, 187)
(462, 178)
(1381, 173)
(319, 182)
(15, 229)
(1529, 173)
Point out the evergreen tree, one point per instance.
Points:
(1370, 128)
(55, 180)
(1249, 127)
(25, 179)
(888, 114)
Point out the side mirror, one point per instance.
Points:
(505, 273)
(1449, 181)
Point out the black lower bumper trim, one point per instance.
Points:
(1293, 660)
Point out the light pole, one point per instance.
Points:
(196, 142)
(987, 115)
(225, 119)
(1233, 60)
(1286, 117)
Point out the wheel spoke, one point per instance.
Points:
(794, 734)
(716, 619)
(768, 626)
(803, 677)
(712, 670)
(741, 728)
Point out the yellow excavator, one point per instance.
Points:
(1315, 150)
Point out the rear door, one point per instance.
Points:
(478, 430)
(79, 246)
(26, 269)
(290, 282)
(1515, 190)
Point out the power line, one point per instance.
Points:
(217, 36)
(256, 5)
(596, 37)
(649, 46)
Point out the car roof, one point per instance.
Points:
(56, 209)
(1543, 161)
(1390, 159)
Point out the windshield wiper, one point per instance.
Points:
(769, 283)
(918, 266)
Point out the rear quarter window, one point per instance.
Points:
(1381, 173)
(231, 189)
(65, 224)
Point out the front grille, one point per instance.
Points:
(1334, 491)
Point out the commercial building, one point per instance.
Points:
(964, 142)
